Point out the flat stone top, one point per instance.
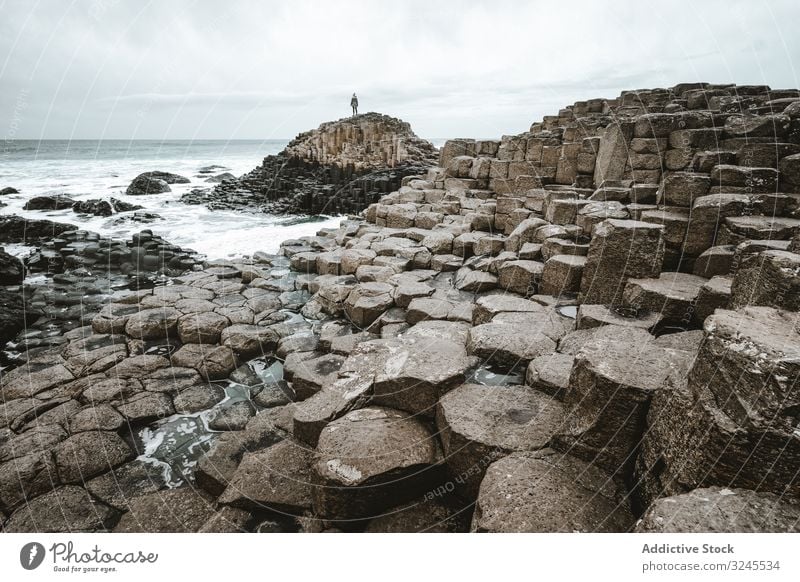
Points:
(762, 221)
(571, 260)
(758, 331)
(718, 509)
(370, 442)
(672, 285)
(515, 418)
(628, 356)
(619, 223)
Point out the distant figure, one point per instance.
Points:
(354, 104)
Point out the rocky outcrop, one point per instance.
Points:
(340, 167)
(154, 183)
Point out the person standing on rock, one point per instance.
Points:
(354, 104)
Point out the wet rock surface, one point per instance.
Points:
(570, 329)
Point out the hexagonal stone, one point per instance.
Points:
(197, 398)
(279, 478)
(455, 331)
(521, 277)
(155, 323)
(86, 454)
(507, 345)
(68, 509)
(146, 407)
(367, 302)
(562, 275)
(411, 374)
(249, 341)
(619, 250)
(26, 477)
(171, 380)
(421, 516)
(346, 393)
(233, 416)
(138, 367)
(479, 424)
(544, 492)
(102, 417)
(94, 353)
(313, 375)
(611, 384)
(117, 487)
(714, 294)
(722, 510)
(488, 306)
(181, 510)
(590, 316)
(550, 373)
(474, 281)
(202, 328)
(671, 295)
(770, 278)
(113, 318)
(39, 438)
(211, 362)
(371, 459)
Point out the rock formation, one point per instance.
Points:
(340, 167)
(591, 326)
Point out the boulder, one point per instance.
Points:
(49, 202)
(12, 271)
(144, 184)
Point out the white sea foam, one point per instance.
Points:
(104, 169)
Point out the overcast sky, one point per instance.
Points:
(263, 69)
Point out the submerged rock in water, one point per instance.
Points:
(49, 202)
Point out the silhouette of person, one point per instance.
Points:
(354, 104)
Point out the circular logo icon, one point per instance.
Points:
(31, 555)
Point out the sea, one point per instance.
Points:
(87, 169)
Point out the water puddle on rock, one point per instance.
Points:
(489, 376)
(175, 444)
(570, 311)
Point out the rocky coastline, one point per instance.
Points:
(339, 168)
(591, 326)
